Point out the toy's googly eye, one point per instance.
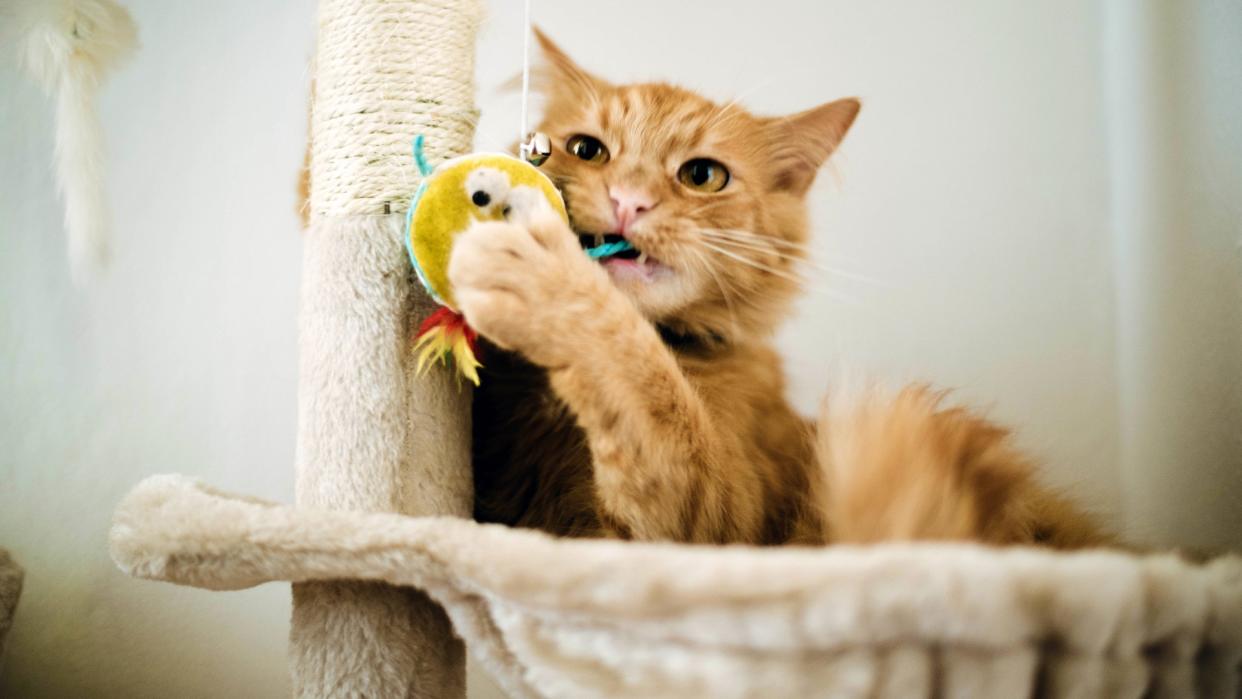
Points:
(486, 188)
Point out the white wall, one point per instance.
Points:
(180, 359)
(1175, 112)
(975, 190)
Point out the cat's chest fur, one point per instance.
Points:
(532, 465)
(532, 462)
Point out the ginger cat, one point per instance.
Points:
(640, 397)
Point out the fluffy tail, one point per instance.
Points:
(905, 468)
(68, 46)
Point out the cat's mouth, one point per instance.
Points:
(609, 246)
(624, 261)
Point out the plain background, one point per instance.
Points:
(1043, 198)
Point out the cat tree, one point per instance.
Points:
(379, 452)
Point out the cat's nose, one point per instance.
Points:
(627, 204)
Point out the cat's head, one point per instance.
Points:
(710, 195)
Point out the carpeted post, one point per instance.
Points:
(371, 436)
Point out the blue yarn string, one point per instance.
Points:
(424, 168)
(608, 249)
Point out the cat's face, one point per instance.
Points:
(711, 196)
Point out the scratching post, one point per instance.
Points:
(371, 436)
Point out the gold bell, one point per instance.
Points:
(537, 149)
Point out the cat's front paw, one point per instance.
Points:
(521, 287)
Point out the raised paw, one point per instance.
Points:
(517, 285)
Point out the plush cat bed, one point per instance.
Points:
(578, 618)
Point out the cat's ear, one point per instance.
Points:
(802, 142)
(561, 75)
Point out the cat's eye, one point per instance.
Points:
(587, 148)
(703, 175)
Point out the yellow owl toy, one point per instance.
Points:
(452, 196)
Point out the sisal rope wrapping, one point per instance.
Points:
(385, 73)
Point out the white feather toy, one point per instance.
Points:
(69, 46)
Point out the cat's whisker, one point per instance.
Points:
(742, 234)
(774, 246)
(722, 112)
(724, 292)
(795, 258)
(791, 250)
(752, 247)
(760, 243)
(783, 274)
(588, 86)
(705, 264)
(833, 294)
(755, 244)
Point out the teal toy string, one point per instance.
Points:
(608, 249)
(420, 159)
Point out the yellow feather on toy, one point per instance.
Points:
(452, 197)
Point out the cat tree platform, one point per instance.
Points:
(578, 618)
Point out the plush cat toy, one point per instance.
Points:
(453, 196)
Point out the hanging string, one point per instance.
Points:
(522, 135)
(535, 147)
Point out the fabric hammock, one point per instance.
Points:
(578, 618)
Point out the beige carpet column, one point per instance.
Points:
(371, 436)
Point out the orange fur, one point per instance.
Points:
(904, 468)
(304, 172)
(652, 407)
